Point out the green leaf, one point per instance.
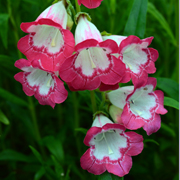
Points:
(37, 154)
(158, 16)
(168, 129)
(4, 28)
(108, 176)
(171, 102)
(12, 98)
(136, 23)
(58, 168)
(169, 86)
(39, 173)
(3, 118)
(7, 62)
(83, 130)
(151, 140)
(11, 155)
(54, 146)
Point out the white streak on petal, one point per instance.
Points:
(86, 30)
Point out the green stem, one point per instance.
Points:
(15, 28)
(71, 7)
(78, 8)
(112, 14)
(76, 109)
(34, 119)
(93, 101)
(76, 122)
(35, 124)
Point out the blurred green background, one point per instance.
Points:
(54, 153)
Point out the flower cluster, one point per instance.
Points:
(87, 61)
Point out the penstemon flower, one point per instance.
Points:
(142, 107)
(47, 88)
(135, 54)
(92, 63)
(48, 39)
(90, 3)
(110, 148)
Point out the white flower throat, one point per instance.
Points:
(103, 137)
(53, 42)
(90, 58)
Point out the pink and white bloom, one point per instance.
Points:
(142, 107)
(92, 63)
(90, 3)
(110, 148)
(48, 39)
(46, 87)
(138, 58)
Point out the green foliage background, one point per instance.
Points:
(54, 153)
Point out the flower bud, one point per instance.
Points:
(115, 113)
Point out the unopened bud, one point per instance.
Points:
(69, 23)
(115, 113)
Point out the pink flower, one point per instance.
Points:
(47, 88)
(110, 148)
(90, 3)
(139, 59)
(92, 63)
(48, 40)
(142, 107)
(135, 54)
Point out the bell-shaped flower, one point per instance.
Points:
(135, 54)
(138, 58)
(48, 38)
(92, 63)
(90, 3)
(110, 148)
(46, 87)
(142, 107)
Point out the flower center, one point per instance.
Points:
(132, 102)
(142, 101)
(90, 58)
(103, 137)
(53, 43)
(49, 81)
